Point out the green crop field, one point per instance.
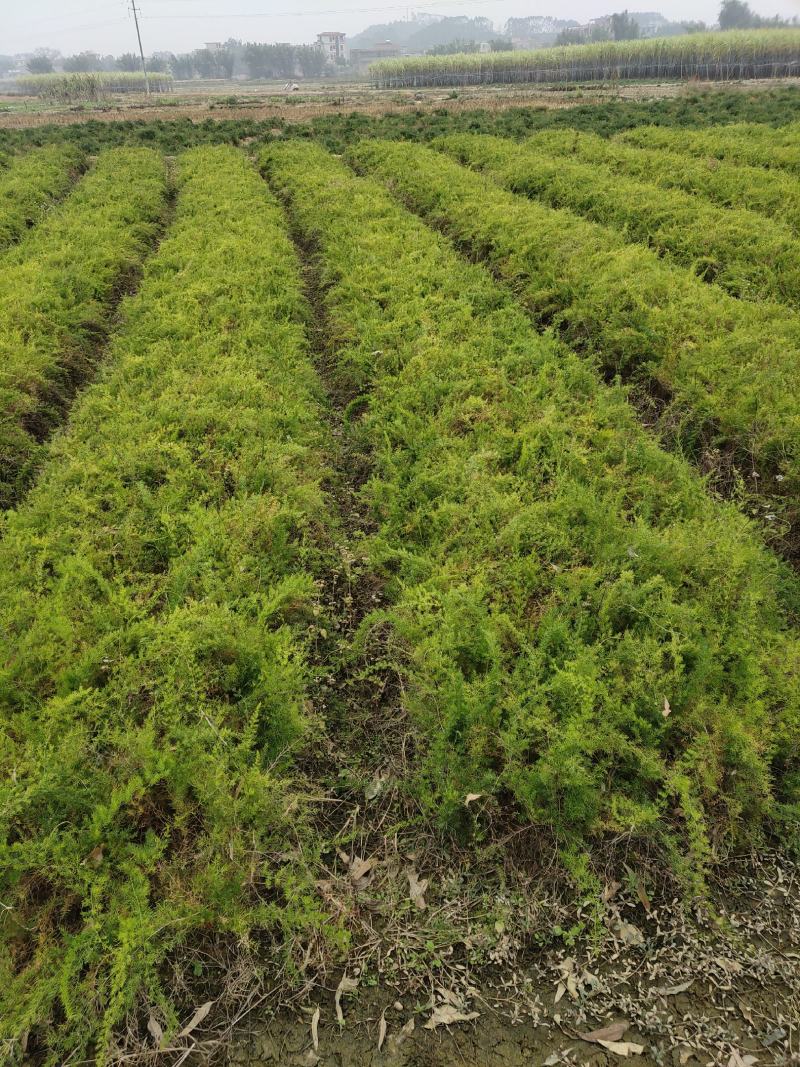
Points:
(389, 538)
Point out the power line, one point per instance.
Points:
(329, 11)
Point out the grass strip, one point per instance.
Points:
(714, 374)
(158, 595)
(745, 254)
(773, 193)
(59, 290)
(583, 634)
(31, 183)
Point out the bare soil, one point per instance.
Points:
(268, 102)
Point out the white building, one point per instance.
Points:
(333, 46)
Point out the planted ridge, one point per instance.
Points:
(556, 581)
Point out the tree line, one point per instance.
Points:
(234, 57)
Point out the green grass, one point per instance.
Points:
(158, 596)
(554, 576)
(59, 288)
(30, 184)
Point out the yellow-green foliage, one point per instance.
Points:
(155, 595)
(30, 184)
(58, 290)
(712, 56)
(557, 582)
(723, 367)
(746, 254)
(773, 193)
(745, 142)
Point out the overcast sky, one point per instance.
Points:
(180, 25)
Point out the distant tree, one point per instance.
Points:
(694, 27)
(571, 37)
(736, 15)
(453, 48)
(182, 67)
(312, 61)
(205, 63)
(257, 60)
(225, 63)
(285, 60)
(40, 63)
(128, 61)
(624, 27)
(501, 44)
(83, 63)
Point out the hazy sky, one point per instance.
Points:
(181, 25)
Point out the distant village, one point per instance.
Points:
(334, 55)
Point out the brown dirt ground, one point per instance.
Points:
(327, 100)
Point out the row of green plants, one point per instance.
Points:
(714, 374)
(582, 633)
(159, 595)
(59, 291)
(749, 256)
(727, 56)
(745, 144)
(774, 193)
(91, 85)
(31, 183)
(690, 109)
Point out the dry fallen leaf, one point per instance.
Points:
(471, 798)
(95, 857)
(642, 895)
(446, 1015)
(560, 991)
(628, 933)
(612, 1032)
(666, 710)
(361, 872)
(315, 1028)
(738, 1060)
(197, 1018)
(154, 1029)
(347, 985)
(417, 887)
(382, 1030)
(673, 990)
(622, 1048)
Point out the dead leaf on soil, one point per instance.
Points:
(197, 1018)
(154, 1029)
(622, 1048)
(673, 990)
(471, 798)
(361, 872)
(612, 1032)
(346, 985)
(666, 710)
(382, 1030)
(628, 934)
(417, 887)
(446, 1015)
(560, 991)
(315, 1028)
(738, 1060)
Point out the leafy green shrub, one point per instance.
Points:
(31, 183)
(745, 143)
(721, 370)
(773, 193)
(580, 628)
(59, 288)
(157, 589)
(746, 254)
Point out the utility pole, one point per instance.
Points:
(141, 50)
